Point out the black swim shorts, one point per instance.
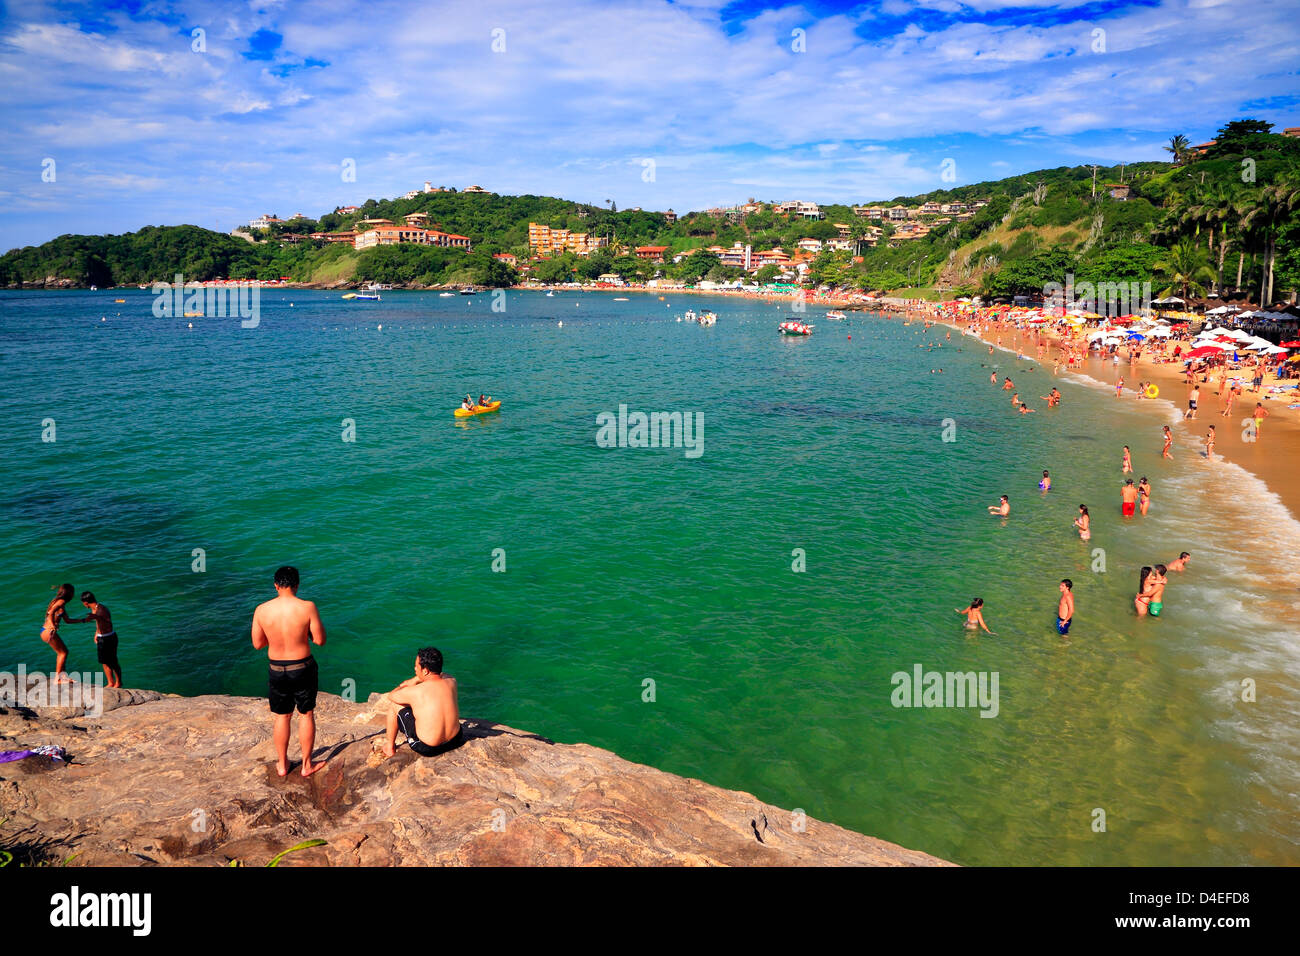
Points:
(406, 721)
(292, 683)
(106, 648)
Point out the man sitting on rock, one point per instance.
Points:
(429, 715)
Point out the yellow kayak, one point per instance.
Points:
(478, 410)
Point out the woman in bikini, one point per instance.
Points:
(55, 614)
(1143, 599)
(1082, 523)
(974, 616)
(1169, 443)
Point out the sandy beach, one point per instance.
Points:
(1273, 456)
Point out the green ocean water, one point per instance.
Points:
(627, 565)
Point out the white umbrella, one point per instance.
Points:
(1258, 343)
(1274, 350)
(1160, 332)
(1215, 345)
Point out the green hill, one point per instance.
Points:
(1226, 220)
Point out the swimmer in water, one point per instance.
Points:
(1180, 563)
(1127, 464)
(974, 617)
(1144, 495)
(1157, 583)
(1025, 409)
(1169, 443)
(1082, 523)
(1209, 444)
(1007, 386)
(1128, 499)
(1002, 508)
(1142, 601)
(1046, 483)
(1065, 607)
(993, 378)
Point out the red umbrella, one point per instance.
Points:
(1291, 345)
(1203, 351)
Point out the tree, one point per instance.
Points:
(1185, 267)
(1275, 205)
(1241, 128)
(1178, 146)
(768, 273)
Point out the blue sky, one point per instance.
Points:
(729, 100)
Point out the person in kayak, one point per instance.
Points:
(468, 404)
(483, 400)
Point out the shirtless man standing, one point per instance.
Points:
(429, 715)
(1129, 496)
(287, 626)
(1065, 608)
(105, 637)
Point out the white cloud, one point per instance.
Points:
(414, 93)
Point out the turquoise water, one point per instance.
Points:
(628, 564)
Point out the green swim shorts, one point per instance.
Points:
(1155, 608)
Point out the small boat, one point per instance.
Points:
(707, 318)
(690, 316)
(834, 314)
(193, 315)
(446, 295)
(550, 293)
(94, 288)
(620, 299)
(478, 410)
(378, 287)
(119, 300)
(360, 295)
(468, 291)
(795, 327)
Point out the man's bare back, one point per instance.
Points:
(287, 626)
(436, 709)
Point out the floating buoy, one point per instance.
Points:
(102, 319)
(381, 328)
(850, 338)
(561, 323)
(191, 325)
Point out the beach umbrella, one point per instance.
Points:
(1294, 343)
(1274, 350)
(1136, 336)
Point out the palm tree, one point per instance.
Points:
(1275, 204)
(1178, 145)
(1186, 265)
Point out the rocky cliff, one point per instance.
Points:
(159, 779)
